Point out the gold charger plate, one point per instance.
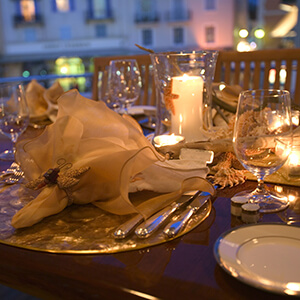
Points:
(78, 229)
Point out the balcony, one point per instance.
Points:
(147, 17)
(179, 16)
(20, 20)
(95, 17)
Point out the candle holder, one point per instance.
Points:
(183, 90)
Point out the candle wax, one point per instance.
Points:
(187, 120)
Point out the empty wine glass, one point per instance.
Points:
(14, 114)
(124, 82)
(262, 141)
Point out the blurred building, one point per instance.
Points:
(263, 24)
(39, 37)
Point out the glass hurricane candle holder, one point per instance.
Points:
(183, 89)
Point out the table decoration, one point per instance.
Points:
(81, 229)
(183, 88)
(90, 154)
(42, 101)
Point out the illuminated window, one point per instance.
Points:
(210, 34)
(27, 8)
(63, 5)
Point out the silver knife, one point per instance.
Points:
(126, 228)
(173, 228)
(153, 223)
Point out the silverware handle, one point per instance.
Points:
(176, 226)
(153, 223)
(125, 229)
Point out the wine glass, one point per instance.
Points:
(14, 114)
(262, 141)
(124, 82)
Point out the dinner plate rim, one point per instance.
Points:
(235, 273)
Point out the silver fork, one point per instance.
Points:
(14, 177)
(10, 170)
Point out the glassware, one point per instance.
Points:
(183, 89)
(14, 114)
(262, 141)
(124, 83)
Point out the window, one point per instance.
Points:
(28, 10)
(29, 34)
(63, 5)
(101, 30)
(99, 9)
(178, 35)
(146, 10)
(146, 6)
(178, 8)
(210, 34)
(210, 4)
(147, 37)
(65, 33)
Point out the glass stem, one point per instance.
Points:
(260, 185)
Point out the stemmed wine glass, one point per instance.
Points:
(14, 114)
(124, 82)
(262, 141)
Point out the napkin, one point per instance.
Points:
(35, 99)
(42, 102)
(226, 96)
(90, 155)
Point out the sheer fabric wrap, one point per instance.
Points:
(86, 134)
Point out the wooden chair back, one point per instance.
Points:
(276, 68)
(99, 86)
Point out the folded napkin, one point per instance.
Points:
(90, 155)
(226, 96)
(42, 102)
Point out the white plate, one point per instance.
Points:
(141, 110)
(265, 256)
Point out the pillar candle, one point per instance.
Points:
(187, 120)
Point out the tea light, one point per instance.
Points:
(187, 120)
(167, 140)
(294, 162)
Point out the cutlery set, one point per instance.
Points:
(175, 223)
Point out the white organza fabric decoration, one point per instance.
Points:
(88, 134)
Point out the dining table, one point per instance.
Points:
(182, 268)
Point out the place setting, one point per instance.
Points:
(93, 181)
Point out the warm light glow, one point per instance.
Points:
(64, 70)
(222, 86)
(292, 288)
(167, 140)
(272, 76)
(287, 23)
(282, 76)
(27, 10)
(294, 159)
(259, 33)
(243, 47)
(63, 5)
(243, 33)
